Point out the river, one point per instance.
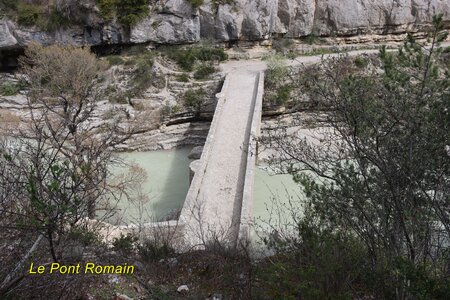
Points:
(167, 184)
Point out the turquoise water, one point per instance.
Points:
(163, 190)
(166, 183)
(277, 199)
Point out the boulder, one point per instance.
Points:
(182, 288)
(196, 152)
(7, 40)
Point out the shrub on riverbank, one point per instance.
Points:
(377, 173)
(187, 58)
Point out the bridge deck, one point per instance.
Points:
(218, 202)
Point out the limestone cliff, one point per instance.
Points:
(178, 22)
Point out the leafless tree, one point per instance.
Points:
(56, 168)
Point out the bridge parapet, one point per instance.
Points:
(252, 156)
(190, 203)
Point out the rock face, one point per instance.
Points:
(177, 22)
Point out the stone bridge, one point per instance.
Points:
(218, 206)
(219, 201)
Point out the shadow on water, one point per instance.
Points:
(178, 172)
(164, 188)
(167, 181)
(174, 185)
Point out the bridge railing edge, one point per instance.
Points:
(247, 195)
(194, 189)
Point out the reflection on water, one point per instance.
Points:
(166, 185)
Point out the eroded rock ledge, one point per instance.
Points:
(177, 22)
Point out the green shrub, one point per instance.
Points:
(183, 77)
(107, 8)
(56, 20)
(361, 62)
(277, 71)
(10, 89)
(151, 250)
(313, 263)
(29, 14)
(282, 45)
(194, 99)
(84, 236)
(312, 39)
(114, 60)
(283, 94)
(128, 12)
(124, 243)
(320, 51)
(38, 15)
(186, 58)
(203, 71)
(210, 54)
(419, 281)
(196, 3)
(142, 75)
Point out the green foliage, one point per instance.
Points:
(127, 12)
(183, 77)
(29, 14)
(420, 280)
(311, 39)
(385, 181)
(114, 60)
(151, 250)
(203, 71)
(361, 62)
(321, 51)
(283, 45)
(125, 243)
(196, 3)
(194, 99)
(84, 236)
(143, 76)
(282, 94)
(10, 89)
(276, 73)
(56, 21)
(107, 8)
(313, 263)
(186, 58)
(278, 91)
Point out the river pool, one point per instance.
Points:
(167, 184)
